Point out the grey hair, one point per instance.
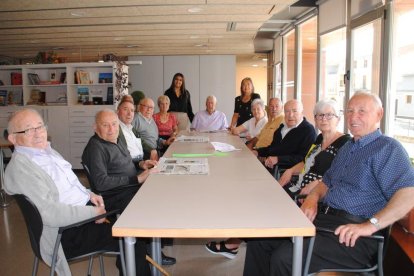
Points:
(377, 101)
(211, 97)
(11, 123)
(258, 102)
(105, 110)
(324, 103)
(163, 97)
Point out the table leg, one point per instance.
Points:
(297, 256)
(130, 255)
(156, 255)
(3, 195)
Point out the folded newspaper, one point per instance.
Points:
(183, 166)
(195, 139)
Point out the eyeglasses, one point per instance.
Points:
(327, 116)
(31, 131)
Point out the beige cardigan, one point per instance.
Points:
(25, 177)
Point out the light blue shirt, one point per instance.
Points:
(203, 121)
(366, 173)
(71, 191)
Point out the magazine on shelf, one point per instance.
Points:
(183, 166)
(194, 139)
(15, 97)
(3, 97)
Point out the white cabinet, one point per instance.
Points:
(81, 121)
(56, 119)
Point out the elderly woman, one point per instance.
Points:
(316, 163)
(321, 153)
(166, 122)
(252, 127)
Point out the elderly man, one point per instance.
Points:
(291, 141)
(276, 117)
(209, 119)
(40, 173)
(148, 130)
(128, 135)
(110, 163)
(369, 186)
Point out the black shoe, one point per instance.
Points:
(167, 260)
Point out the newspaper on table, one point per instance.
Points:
(194, 139)
(183, 166)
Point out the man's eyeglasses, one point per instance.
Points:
(32, 130)
(327, 116)
(147, 106)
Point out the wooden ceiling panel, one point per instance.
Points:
(86, 29)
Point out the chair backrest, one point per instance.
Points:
(33, 221)
(88, 176)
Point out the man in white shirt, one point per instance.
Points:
(41, 174)
(209, 119)
(127, 133)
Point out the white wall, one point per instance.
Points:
(204, 75)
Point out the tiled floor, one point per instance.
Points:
(16, 257)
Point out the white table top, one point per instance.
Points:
(239, 198)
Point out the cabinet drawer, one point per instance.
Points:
(88, 111)
(81, 131)
(81, 121)
(78, 141)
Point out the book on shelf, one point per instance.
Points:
(110, 95)
(63, 77)
(33, 79)
(16, 78)
(37, 97)
(15, 97)
(3, 97)
(83, 95)
(105, 78)
(82, 77)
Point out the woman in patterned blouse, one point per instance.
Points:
(321, 153)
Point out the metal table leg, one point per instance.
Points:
(297, 256)
(130, 255)
(156, 255)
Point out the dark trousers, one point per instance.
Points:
(274, 256)
(119, 200)
(91, 237)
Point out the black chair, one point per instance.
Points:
(113, 192)
(382, 243)
(34, 225)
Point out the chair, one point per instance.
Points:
(112, 192)
(34, 226)
(382, 244)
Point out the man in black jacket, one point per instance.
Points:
(291, 140)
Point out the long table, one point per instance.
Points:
(238, 198)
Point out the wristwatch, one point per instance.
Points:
(374, 221)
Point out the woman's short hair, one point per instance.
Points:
(324, 103)
(163, 98)
(259, 102)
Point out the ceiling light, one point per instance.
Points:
(194, 36)
(132, 46)
(270, 29)
(255, 65)
(264, 59)
(195, 9)
(58, 48)
(118, 38)
(200, 45)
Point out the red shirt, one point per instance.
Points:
(165, 129)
